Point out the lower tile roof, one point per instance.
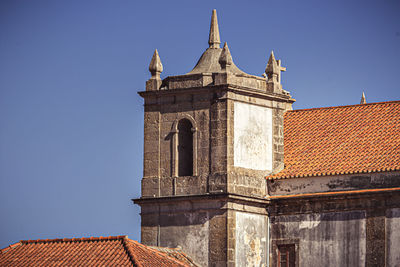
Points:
(354, 139)
(93, 251)
(176, 253)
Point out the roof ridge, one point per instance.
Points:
(3, 250)
(74, 239)
(157, 252)
(346, 106)
(132, 256)
(132, 252)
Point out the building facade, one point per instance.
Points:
(234, 177)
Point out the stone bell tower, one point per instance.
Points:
(210, 138)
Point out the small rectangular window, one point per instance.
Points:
(286, 255)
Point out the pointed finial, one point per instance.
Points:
(272, 66)
(363, 99)
(225, 58)
(213, 40)
(273, 71)
(155, 65)
(154, 83)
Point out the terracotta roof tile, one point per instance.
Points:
(143, 255)
(361, 138)
(94, 251)
(176, 253)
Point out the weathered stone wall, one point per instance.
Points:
(212, 110)
(218, 142)
(161, 112)
(251, 239)
(321, 213)
(323, 239)
(218, 216)
(214, 230)
(199, 227)
(249, 179)
(393, 236)
(247, 231)
(352, 229)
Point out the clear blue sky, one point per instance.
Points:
(71, 122)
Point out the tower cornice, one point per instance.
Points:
(213, 88)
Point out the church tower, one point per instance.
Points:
(210, 138)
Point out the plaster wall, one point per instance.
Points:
(199, 227)
(251, 239)
(322, 239)
(393, 236)
(193, 236)
(252, 137)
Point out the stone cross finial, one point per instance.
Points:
(226, 58)
(280, 69)
(213, 39)
(155, 66)
(363, 99)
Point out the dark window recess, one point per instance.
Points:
(286, 255)
(185, 148)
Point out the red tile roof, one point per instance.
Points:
(341, 140)
(93, 251)
(177, 254)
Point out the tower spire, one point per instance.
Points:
(363, 99)
(213, 40)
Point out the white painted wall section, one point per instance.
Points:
(252, 137)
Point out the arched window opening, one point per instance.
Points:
(185, 148)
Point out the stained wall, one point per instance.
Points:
(324, 239)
